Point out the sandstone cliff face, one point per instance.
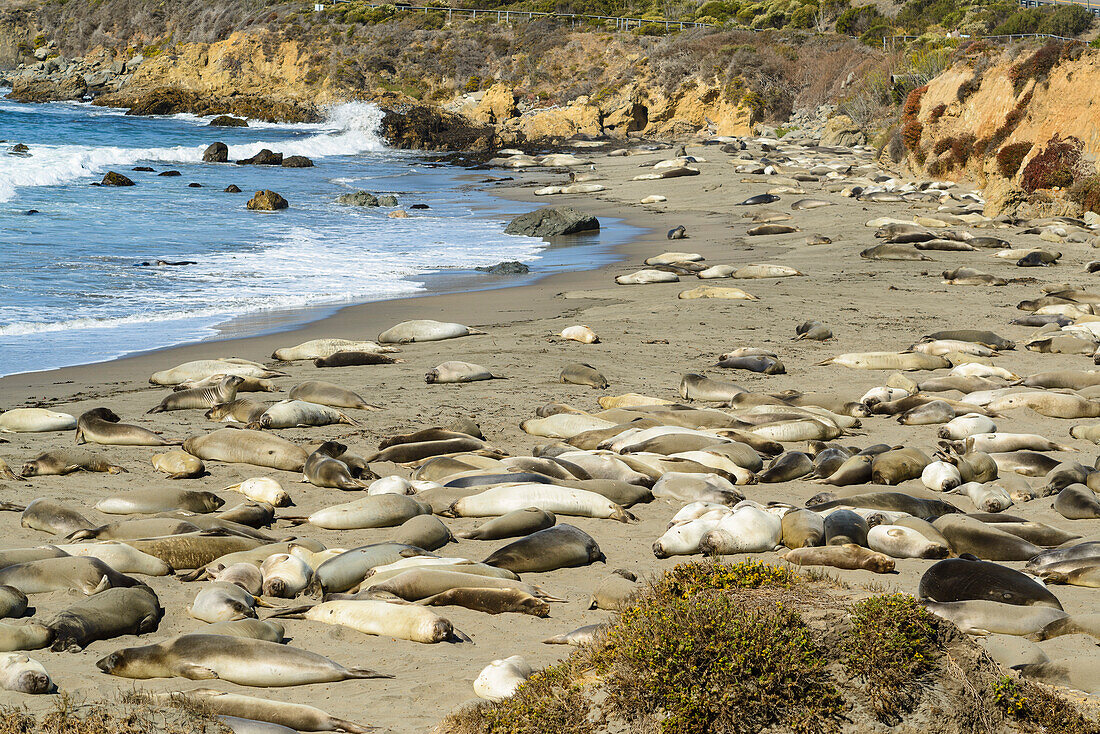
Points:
(987, 119)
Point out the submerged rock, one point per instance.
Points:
(552, 221)
(358, 198)
(228, 121)
(267, 201)
(232, 189)
(511, 267)
(143, 169)
(216, 153)
(115, 179)
(387, 200)
(170, 174)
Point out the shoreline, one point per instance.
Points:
(340, 321)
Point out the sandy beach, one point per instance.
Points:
(648, 340)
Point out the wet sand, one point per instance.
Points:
(649, 339)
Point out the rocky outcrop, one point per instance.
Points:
(228, 121)
(264, 158)
(216, 153)
(843, 132)
(296, 161)
(267, 201)
(357, 198)
(420, 127)
(115, 179)
(552, 221)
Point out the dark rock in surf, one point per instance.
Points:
(216, 153)
(297, 161)
(228, 121)
(115, 179)
(264, 158)
(512, 267)
(552, 221)
(267, 201)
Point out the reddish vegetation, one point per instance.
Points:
(1057, 165)
(911, 127)
(1010, 157)
(1039, 64)
(910, 135)
(937, 112)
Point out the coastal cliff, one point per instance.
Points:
(1021, 122)
(460, 86)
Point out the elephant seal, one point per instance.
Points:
(786, 467)
(152, 501)
(509, 525)
(319, 348)
(489, 601)
(424, 330)
(982, 540)
(120, 557)
(615, 591)
(245, 575)
(500, 678)
(891, 502)
(53, 517)
(700, 387)
(966, 578)
(86, 575)
(13, 602)
(561, 546)
(179, 464)
(757, 363)
(802, 529)
(848, 556)
(60, 462)
(237, 660)
(1077, 624)
(580, 373)
(285, 575)
(247, 447)
(253, 629)
(580, 636)
(372, 511)
(899, 465)
(375, 617)
(102, 426)
(326, 393)
(262, 489)
(747, 529)
(419, 583)
(323, 468)
(203, 368)
(1077, 502)
(241, 410)
(647, 276)
(22, 674)
(35, 420)
(110, 613)
(254, 514)
(409, 452)
(423, 531)
(296, 716)
(222, 602)
(426, 434)
(193, 550)
(16, 556)
(294, 413)
(201, 397)
(1077, 672)
(349, 568)
(455, 371)
(898, 541)
(355, 359)
(844, 527)
(982, 617)
(250, 384)
(30, 636)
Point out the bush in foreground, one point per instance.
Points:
(748, 648)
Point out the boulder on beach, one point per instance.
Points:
(115, 179)
(264, 158)
(387, 200)
(228, 121)
(843, 132)
(357, 198)
(232, 189)
(267, 201)
(297, 161)
(552, 221)
(512, 267)
(216, 153)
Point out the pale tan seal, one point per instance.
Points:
(66, 461)
(35, 420)
(201, 397)
(247, 447)
(179, 464)
(326, 393)
(292, 715)
(401, 621)
(456, 371)
(424, 330)
(237, 660)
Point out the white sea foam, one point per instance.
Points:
(347, 130)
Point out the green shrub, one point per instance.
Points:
(1040, 708)
(1022, 21)
(1066, 20)
(1056, 165)
(1086, 192)
(708, 663)
(891, 645)
(857, 21)
(1010, 157)
(873, 36)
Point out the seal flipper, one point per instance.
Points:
(195, 672)
(366, 673)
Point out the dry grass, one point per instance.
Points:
(132, 713)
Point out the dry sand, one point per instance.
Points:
(648, 340)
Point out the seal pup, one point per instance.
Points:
(423, 330)
(178, 464)
(295, 413)
(53, 517)
(500, 678)
(237, 660)
(35, 420)
(201, 397)
(516, 523)
(326, 393)
(580, 373)
(102, 426)
(60, 462)
(455, 371)
(295, 716)
(848, 556)
(561, 546)
(323, 468)
(580, 636)
(241, 410)
(22, 674)
(490, 601)
(355, 359)
(262, 489)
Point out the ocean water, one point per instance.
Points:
(71, 290)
